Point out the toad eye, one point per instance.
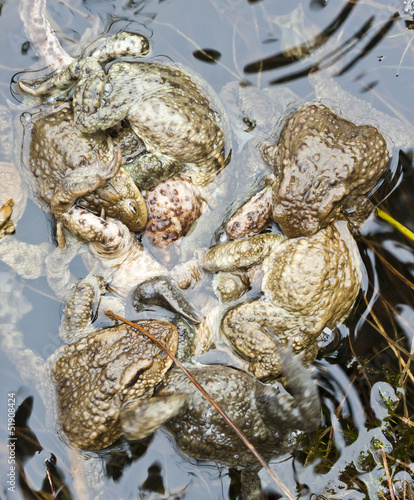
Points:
(133, 207)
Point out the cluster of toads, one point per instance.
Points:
(137, 150)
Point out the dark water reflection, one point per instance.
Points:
(225, 40)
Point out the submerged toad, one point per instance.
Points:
(309, 283)
(66, 166)
(175, 113)
(267, 414)
(124, 263)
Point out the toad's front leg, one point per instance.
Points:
(83, 180)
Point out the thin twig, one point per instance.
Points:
(394, 346)
(110, 314)
(52, 489)
(388, 265)
(409, 467)
(387, 473)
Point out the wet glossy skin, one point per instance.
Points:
(67, 166)
(173, 206)
(100, 370)
(325, 168)
(309, 283)
(100, 373)
(266, 414)
(96, 373)
(174, 112)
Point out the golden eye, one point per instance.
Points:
(133, 207)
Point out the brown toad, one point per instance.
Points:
(100, 373)
(177, 115)
(97, 373)
(325, 169)
(309, 283)
(67, 166)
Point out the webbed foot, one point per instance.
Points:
(141, 418)
(298, 409)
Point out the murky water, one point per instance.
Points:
(267, 43)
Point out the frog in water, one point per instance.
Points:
(59, 154)
(95, 375)
(176, 114)
(309, 283)
(325, 169)
(324, 166)
(124, 263)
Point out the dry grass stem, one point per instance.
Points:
(387, 472)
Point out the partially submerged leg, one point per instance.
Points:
(300, 408)
(163, 292)
(141, 418)
(233, 255)
(123, 44)
(62, 79)
(80, 309)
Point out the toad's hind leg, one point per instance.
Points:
(79, 310)
(123, 44)
(258, 330)
(300, 408)
(90, 118)
(235, 254)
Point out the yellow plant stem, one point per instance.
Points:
(406, 232)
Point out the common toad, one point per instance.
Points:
(325, 168)
(96, 374)
(174, 112)
(66, 166)
(267, 414)
(309, 283)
